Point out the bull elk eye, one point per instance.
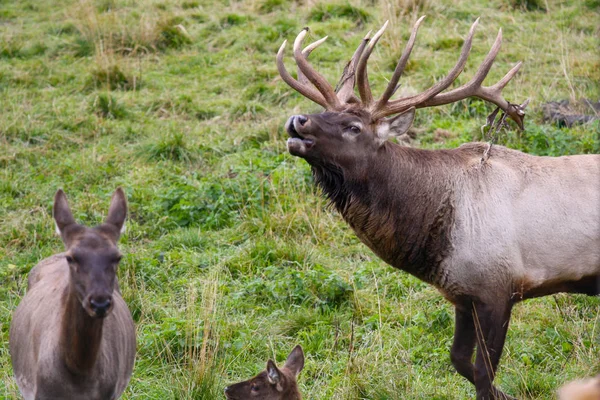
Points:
(69, 259)
(254, 387)
(353, 129)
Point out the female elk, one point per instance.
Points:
(72, 336)
(487, 233)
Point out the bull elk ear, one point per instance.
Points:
(63, 217)
(295, 361)
(396, 126)
(117, 212)
(274, 375)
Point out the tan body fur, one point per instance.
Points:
(534, 220)
(529, 224)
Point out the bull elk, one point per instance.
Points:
(487, 233)
(273, 383)
(72, 336)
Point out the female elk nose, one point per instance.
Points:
(100, 305)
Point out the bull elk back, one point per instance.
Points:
(72, 335)
(486, 232)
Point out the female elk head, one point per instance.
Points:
(92, 253)
(273, 383)
(352, 127)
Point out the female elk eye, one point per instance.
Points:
(69, 259)
(255, 388)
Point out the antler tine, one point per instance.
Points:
(414, 101)
(313, 76)
(509, 75)
(345, 87)
(362, 79)
(392, 85)
(305, 90)
(306, 52)
(492, 94)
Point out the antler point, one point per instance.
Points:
(282, 47)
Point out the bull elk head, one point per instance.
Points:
(343, 99)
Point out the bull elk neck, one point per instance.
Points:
(72, 335)
(487, 232)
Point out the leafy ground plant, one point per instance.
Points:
(232, 256)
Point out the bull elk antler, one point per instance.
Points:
(314, 86)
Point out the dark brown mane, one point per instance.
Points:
(406, 226)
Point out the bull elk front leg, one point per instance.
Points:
(491, 325)
(485, 325)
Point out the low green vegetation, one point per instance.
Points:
(232, 255)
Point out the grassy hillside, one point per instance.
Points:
(232, 256)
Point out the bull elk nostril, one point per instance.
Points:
(301, 119)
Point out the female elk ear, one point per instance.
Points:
(117, 211)
(396, 126)
(274, 375)
(61, 212)
(295, 361)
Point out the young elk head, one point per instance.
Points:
(353, 129)
(273, 383)
(92, 253)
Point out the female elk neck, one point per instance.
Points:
(388, 206)
(81, 335)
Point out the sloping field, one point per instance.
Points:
(231, 255)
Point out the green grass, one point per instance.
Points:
(232, 256)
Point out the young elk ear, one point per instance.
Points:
(396, 126)
(117, 212)
(63, 217)
(274, 375)
(295, 361)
